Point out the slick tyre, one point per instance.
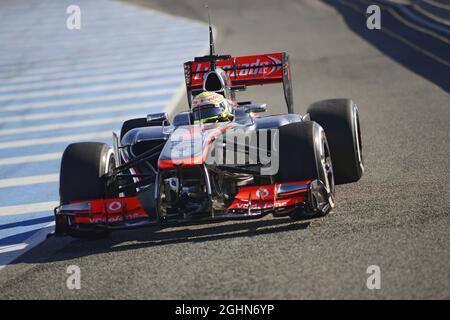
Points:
(82, 177)
(304, 154)
(340, 120)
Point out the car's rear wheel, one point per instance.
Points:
(304, 154)
(340, 120)
(82, 177)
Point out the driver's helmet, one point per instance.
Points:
(208, 107)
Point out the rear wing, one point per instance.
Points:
(242, 71)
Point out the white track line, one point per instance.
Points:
(11, 252)
(431, 16)
(89, 89)
(397, 36)
(137, 61)
(89, 37)
(59, 139)
(62, 114)
(74, 124)
(137, 41)
(437, 4)
(124, 64)
(32, 158)
(140, 60)
(121, 107)
(92, 79)
(15, 182)
(28, 208)
(417, 27)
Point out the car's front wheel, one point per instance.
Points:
(84, 166)
(304, 154)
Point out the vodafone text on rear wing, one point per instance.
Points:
(231, 74)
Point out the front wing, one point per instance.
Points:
(308, 197)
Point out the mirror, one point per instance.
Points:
(157, 118)
(254, 107)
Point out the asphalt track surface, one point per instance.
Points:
(396, 217)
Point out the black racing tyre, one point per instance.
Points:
(83, 167)
(339, 118)
(297, 160)
(304, 155)
(131, 124)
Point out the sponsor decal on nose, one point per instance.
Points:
(114, 206)
(262, 193)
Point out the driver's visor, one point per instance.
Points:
(206, 111)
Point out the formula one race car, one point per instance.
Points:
(236, 167)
